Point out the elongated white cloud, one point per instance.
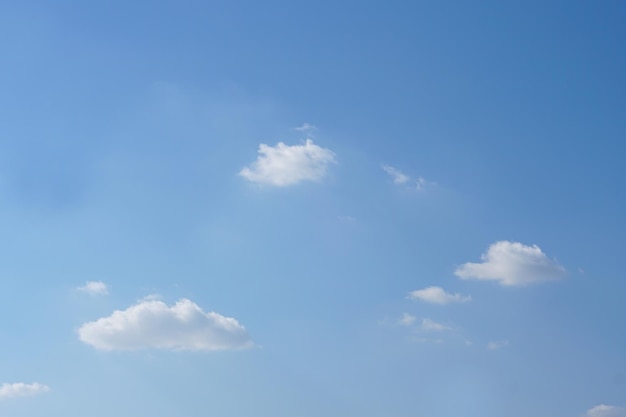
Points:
(94, 288)
(438, 295)
(305, 127)
(497, 345)
(400, 178)
(428, 325)
(512, 264)
(20, 389)
(152, 324)
(396, 175)
(606, 411)
(284, 165)
(421, 325)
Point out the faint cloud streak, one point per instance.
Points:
(20, 389)
(94, 288)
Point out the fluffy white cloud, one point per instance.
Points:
(497, 345)
(606, 411)
(94, 288)
(284, 165)
(20, 389)
(397, 176)
(438, 295)
(152, 324)
(512, 264)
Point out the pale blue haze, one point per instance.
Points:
(124, 125)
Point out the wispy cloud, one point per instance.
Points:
(429, 340)
(428, 325)
(94, 288)
(152, 324)
(406, 320)
(396, 175)
(512, 264)
(438, 295)
(284, 165)
(423, 325)
(603, 410)
(497, 344)
(420, 183)
(306, 127)
(20, 389)
(400, 178)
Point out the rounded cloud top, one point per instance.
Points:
(284, 165)
(512, 264)
(152, 324)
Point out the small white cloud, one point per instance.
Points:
(284, 165)
(425, 325)
(20, 389)
(606, 411)
(396, 175)
(512, 264)
(305, 127)
(438, 295)
(152, 324)
(406, 319)
(400, 178)
(497, 345)
(428, 325)
(94, 288)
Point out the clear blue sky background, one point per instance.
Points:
(124, 125)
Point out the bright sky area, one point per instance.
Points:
(305, 209)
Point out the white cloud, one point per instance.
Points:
(428, 325)
(305, 127)
(438, 295)
(406, 319)
(152, 324)
(512, 264)
(400, 178)
(497, 345)
(424, 325)
(94, 288)
(284, 165)
(397, 176)
(606, 411)
(20, 389)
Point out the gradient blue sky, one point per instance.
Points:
(350, 263)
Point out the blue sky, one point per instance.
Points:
(312, 208)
